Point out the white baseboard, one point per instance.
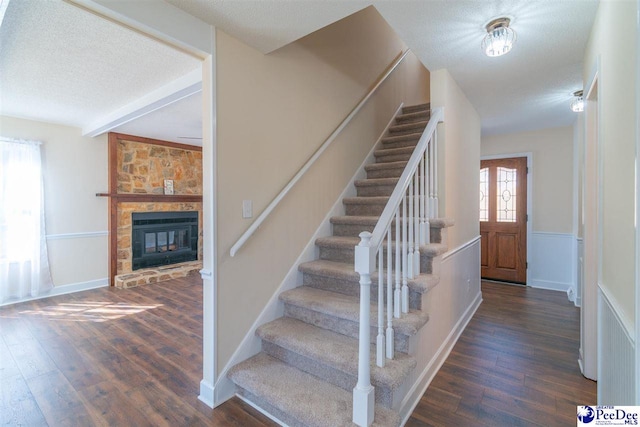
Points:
(224, 388)
(428, 374)
(64, 289)
(552, 286)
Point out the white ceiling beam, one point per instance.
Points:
(176, 90)
(157, 19)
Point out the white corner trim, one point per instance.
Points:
(619, 313)
(84, 235)
(206, 393)
(428, 374)
(224, 388)
(65, 289)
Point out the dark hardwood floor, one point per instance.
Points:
(514, 365)
(111, 357)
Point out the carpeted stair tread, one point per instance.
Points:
(414, 116)
(373, 220)
(343, 242)
(407, 127)
(330, 348)
(371, 200)
(388, 169)
(306, 400)
(372, 182)
(408, 140)
(387, 165)
(393, 151)
(414, 108)
(422, 283)
(347, 307)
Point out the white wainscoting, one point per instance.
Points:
(552, 261)
(616, 353)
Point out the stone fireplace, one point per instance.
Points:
(153, 236)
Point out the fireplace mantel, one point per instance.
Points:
(144, 198)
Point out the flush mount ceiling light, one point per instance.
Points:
(499, 39)
(577, 103)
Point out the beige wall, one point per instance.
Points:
(552, 171)
(274, 111)
(75, 169)
(459, 153)
(616, 52)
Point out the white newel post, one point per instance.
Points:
(363, 393)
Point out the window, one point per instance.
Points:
(24, 267)
(484, 194)
(506, 183)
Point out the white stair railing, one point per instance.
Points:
(413, 202)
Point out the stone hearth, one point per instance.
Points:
(157, 274)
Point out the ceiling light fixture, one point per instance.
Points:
(577, 103)
(499, 39)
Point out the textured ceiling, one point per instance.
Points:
(62, 64)
(530, 88)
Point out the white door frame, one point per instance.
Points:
(637, 209)
(592, 201)
(529, 157)
(176, 28)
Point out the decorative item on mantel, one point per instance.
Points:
(168, 187)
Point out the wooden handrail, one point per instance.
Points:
(258, 222)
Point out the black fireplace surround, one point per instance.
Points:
(162, 238)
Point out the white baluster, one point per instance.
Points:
(396, 295)
(363, 392)
(405, 223)
(390, 334)
(431, 178)
(435, 175)
(409, 219)
(416, 225)
(380, 342)
(426, 231)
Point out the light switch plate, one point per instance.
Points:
(247, 209)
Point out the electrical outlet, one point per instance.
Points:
(247, 209)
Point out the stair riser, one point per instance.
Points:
(401, 342)
(415, 108)
(354, 230)
(400, 144)
(384, 173)
(413, 117)
(386, 158)
(406, 128)
(383, 396)
(364, 209)
(346, 255)
(375, 190)
(352, 287)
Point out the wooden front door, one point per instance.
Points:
(503, 219)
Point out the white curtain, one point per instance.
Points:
(24, 265)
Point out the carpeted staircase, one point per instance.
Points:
(308, 366)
